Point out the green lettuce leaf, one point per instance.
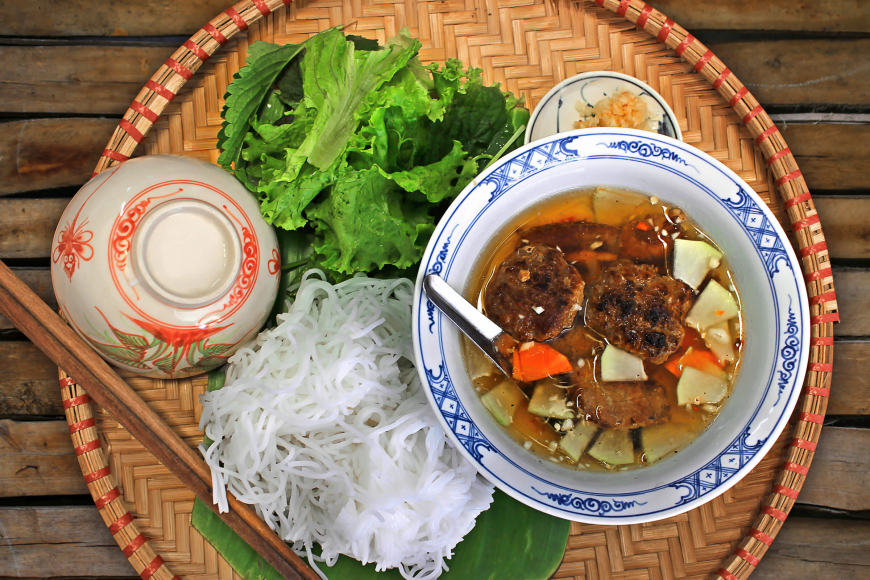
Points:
(482, 118)
(363, 43)
(441, 180)
(289, 83)
(338, 81)
(365, 224)
(295, 254)
(362, 145)
(272, 111)
(286, 199)
(395, 141)
(449, 80)
(246, 93)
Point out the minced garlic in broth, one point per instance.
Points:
(685, 422)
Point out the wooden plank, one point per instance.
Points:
(38, 280)
(28, 383)
(45, 542)
(65, 79)
(820, 549)
(73, 542)
(850, 384)
(107, 17)
(36, 458)
(846, 221)
(157, 17)
(831, 156)
(27, 226)
(854, 302)
(790, 72)
(48, 153)
(76, 79)
(852, 284)
(838, 476)
(820, 117)
(816, 16)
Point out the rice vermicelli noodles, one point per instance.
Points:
(324, 428)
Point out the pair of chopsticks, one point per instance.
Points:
(64, 347)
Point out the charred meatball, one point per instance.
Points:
(535, 294)
(639, 311)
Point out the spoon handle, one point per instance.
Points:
(482, 331)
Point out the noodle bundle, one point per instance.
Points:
(324, 428)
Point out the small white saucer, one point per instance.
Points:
(556, 112)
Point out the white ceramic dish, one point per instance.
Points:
(555, 113)
(165, 265)
(775, 322)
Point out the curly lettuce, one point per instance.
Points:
(361, 144)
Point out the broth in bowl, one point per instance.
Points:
(626, 327)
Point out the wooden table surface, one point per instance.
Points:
(69, 70)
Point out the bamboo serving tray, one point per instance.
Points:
(528, 46)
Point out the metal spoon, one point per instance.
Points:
(482, 331)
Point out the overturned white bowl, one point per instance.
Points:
(775, 323)
(165, 265)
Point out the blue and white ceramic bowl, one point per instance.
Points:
(556, 112)
(775, 323)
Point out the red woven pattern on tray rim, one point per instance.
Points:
(798, 203)
(177, 70)
(103, 487)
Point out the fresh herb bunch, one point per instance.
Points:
(361, 143)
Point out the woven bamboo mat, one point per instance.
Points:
(528, 46)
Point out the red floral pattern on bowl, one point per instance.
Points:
(165, 265)
(72, 246)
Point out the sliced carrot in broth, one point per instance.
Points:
(539, 361)
(517, 363)
(693, 342)
(701, 358)
(674, 365)
(696, 357)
